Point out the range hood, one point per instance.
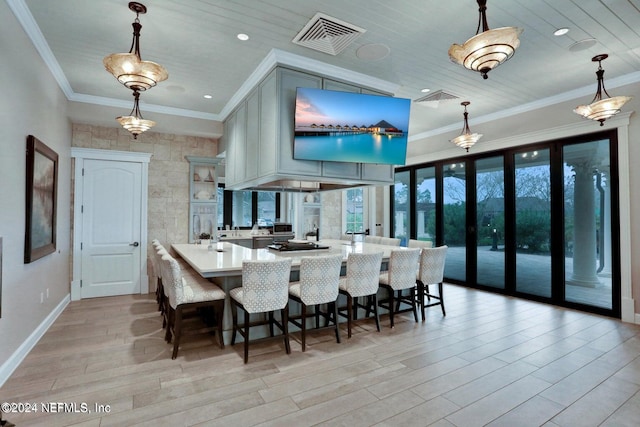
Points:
(298, 186)
(258, 133)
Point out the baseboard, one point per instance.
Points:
(18, 356)
(628, 311)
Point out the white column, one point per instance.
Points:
(420, 223)
(584, 228)
(605, 233)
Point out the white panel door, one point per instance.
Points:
(111, 207)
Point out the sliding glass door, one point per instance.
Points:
(401, 210)
(533, 222)
(490, 216)
(587, 223)
(426, 204)
(539, 221)
(454, 218)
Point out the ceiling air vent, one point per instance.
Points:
(436, 97)
(327, 34)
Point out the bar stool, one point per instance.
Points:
(431, 272)
(361, 280)
(186, 292)
(400, 276)
(265, 289)
(318, 284)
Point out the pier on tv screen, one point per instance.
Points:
(350, 127)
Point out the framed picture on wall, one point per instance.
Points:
(0, 277)
(41, 195)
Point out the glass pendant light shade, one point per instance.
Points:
(129, 68)
(134, 122)
(601, 109)
(487, 49)
(466, 139)
(133, 72)
(135, 125)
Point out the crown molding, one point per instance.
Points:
(24, 16)
(573, 129)
(152, 108)
(534, 105)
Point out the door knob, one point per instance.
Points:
(134, 244)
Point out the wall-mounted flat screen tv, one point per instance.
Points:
(350, 127)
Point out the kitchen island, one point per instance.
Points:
(225, 259)
(223, 264)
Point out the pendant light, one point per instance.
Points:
(466, 139)
(129, 68)
(601, 109)
(487, 49)
(134, 122)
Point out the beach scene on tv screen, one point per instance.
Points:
(350, 127)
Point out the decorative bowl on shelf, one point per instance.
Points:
(203, 195)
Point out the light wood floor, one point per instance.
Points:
(492, 360)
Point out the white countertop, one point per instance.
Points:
(226, 258)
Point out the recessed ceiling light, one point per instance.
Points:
(208, 96)
(242, 37)
(560, 31)
(425, 90)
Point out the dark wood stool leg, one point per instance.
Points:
(177, 327)
(303, 325)
(335, 321)
(349, 314)
(285, 328)
(246, 329)
(391, 310)
(234, 315)
(421, 297)
(271, 323)
(375, 311)
(413, 306)
(219, 312)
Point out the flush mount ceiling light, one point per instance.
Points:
(466, 139)
(129, 68)
(487, 49)
(601, 109)
(134, 122)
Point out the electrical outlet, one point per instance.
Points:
(41, 297)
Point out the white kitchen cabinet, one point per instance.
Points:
(259, 137)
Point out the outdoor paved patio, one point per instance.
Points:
(533, 275)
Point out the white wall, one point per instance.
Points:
(31, 103)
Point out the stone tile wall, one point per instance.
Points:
(168, 204)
